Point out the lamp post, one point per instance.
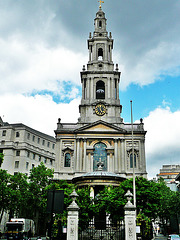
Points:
(134, 181)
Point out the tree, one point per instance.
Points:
(18, 188)
(40, 177)
(4, 192)
(1, 158)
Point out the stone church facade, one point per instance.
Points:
(100, 143)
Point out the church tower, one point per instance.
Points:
(97, 150)
(100, 82)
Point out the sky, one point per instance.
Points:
(43, 47)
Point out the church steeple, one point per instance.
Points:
(100, 45)
(100, 82)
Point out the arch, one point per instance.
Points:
(100, 155)
(100, 24)
(100, 54)
(67, 159)
(100, 90)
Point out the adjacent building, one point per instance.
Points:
(24, 148)
(169, 173)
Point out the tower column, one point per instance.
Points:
(84, 162)
(123, 154)
(77, 158)
(115, 155)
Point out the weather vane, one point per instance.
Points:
(100, 3)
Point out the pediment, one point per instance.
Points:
(101, 126)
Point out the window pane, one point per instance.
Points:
(67, 162)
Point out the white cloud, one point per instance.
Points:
(162, 139)
(38, 112)
(152, 65)
(24, 68)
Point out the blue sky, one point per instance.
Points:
(43, 45)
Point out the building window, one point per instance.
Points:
(4, 133)
(100, 90)
(100, 157)
(17, 134)
(32, 166)
(131, 160)
(34, 155)
(43, 142)
(45, 160)
(38, 140)
(67, 160)
(51, 162)
(2, 142)
(16, 164)
(33, 138)
(48, 144)
(100, 24)
(53, 145)
(39, 158)
(28, 154)
(100, 54)
(28, 136)
(27, 165)
(18, 153)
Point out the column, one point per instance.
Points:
(130, 218)
(91, 167)
(115, 155)
(123, 154)
(77, 158)
(72, 219)
(84, 161)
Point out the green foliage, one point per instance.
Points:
(4, 191)
(1, 158)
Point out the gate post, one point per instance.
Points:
(72, 219)
(130, 218)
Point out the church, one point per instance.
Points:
(97, 150)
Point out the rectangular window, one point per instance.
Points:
(28, 136)
(32, 166)
(53, 145)
(45, 160)
(18, 153)
(43, 142)
(17, 134)
(38, 140)
(4, 133)
(48, 144)
(33, 138)
(39, 158)
(16, 164)
(28, 154)
(34, 155)
(51, 162)
(27, 165)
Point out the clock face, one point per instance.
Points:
(100, 109)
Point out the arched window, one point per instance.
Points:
(131, 160)
(100, 157)
(100, 24)
(100, 54)
(100, 90)
(67, 160)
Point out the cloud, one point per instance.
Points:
(39, 112)
(24, 68)
(162, 139)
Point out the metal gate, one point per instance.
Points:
(109, 232)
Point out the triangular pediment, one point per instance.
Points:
(100, 126)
